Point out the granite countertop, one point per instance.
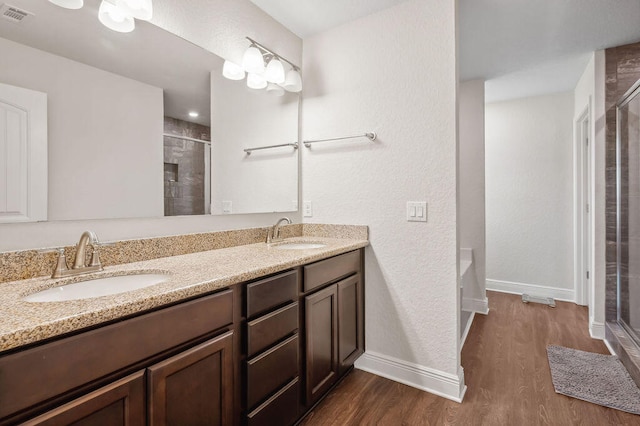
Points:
(190, 275)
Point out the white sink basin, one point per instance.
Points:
(97, 287)
(299, 246)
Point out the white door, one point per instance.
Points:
(23, 155)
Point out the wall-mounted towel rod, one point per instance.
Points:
(369, 135)
(248, 150)
(186, 138)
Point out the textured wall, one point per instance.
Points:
(220, 26)
(529, 184)
(374, 75)
(471, 185)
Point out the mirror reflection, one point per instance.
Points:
(129, 120)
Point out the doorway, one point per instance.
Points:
(583, 209)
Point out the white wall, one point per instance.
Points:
(373, 74)
(86, 138)
(471, 186)
(266, 180)
(529, 193)
(220, 26)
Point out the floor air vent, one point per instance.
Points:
(13, 14)
(526, 298)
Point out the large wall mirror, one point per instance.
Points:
(143, 125)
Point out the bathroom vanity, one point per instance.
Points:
(257, 351)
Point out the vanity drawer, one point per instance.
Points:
(272, 292)
(281, 408)
(77, 360)
(268, 329)
(330, 270)
(270, 370)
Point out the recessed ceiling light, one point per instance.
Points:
(193, 114)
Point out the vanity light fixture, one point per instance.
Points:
(256, 81)
(232, 71)
(68, 4)
(273, 76)
(274, 73)
(115, 18)
(252, 60)
(293, 81)
(117, 15)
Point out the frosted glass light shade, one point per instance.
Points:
(252, 60)
(275, 90)
(275, 71)
(115, 18)
(256, 81)
(68, 4)
(293, 81)
(139, 9)
(232, 71)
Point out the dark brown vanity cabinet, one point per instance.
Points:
(272, 350)
(173, 366)
(334, 321)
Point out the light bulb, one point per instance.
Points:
(293, 81)
(68, 4)
(232, 71)
(256, 81)
(115, 18)
(275, 71)
(252, 60)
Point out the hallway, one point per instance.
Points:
(506, 371)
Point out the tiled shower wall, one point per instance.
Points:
(184, 168)
(622, 71)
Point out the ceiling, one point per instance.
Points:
(520, 47)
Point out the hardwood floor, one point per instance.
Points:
(506, 372)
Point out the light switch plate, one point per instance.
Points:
(416, 211)
(307, 209)
(227, 207)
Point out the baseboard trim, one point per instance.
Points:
(466, 330)
(437, 382)
(480, 306)
(597, 330)
(567, 295)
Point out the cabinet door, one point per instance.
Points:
(321, 325)
(194, 387)
(350, 322)
(120, 403)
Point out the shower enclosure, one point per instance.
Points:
(628, 212)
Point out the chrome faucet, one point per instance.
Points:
(274, 233)
(79, 265)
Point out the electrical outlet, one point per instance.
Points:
(227, 207)
(307, 209)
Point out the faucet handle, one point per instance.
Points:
(95, 255)
(61, 264)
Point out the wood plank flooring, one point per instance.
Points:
(506, 372)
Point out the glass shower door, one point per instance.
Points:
(628, 212)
